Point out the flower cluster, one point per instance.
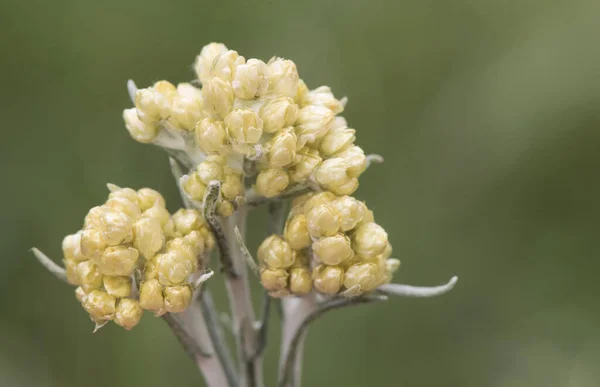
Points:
(331, 242)
(260, 118)
(133, 231)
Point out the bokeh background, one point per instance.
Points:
(487, 113)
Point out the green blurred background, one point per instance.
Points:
(487, 113)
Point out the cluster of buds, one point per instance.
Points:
(255, 119)
(132, 232)
(330, 242)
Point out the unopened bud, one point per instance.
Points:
(337, 140)
(351, 212)
(322, 221)
(244, 128)
(117, 286)
(308, 159)
(300, 281)
(278, 113)
(71, 247)
(128, 313)
(92, 243)
(89, 276)
(205, 59)
(210, 136)
(369, 240)
(100, 305)
(323, 96)
(251, 80)
(332, 174)
(283, 77)
(312, 124)
(151, 296)
(333, 250)
(187, 220)
(187, 107)
(218, 97)
(139, 131)
(328, 279)
(225, 64)
(148, 236)
(115, 226)
(271, 182)
(296, 232)
(282, 149)
(276, 253)
(177, 298)
(274, 279)
(366, 275)
(118, 260)
(149, 198)
(355, 159)
(176, 266)
(194, 186)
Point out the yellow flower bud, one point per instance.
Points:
(369, 240)
(218, 97)
(118, 260)
(296, 232)
(128, 313)
(211, 169)
(100, 305)
(283, 77)
(271, 182)
(175, 266)
(276, 253)
(205, 59)
(301, 93)
(355, 159)
(117, 286)
(148, 236)
(92, 219)
(115, 226)
(312, 124)
(225, 208)
(366, 275)
(300, 281)
(151, 268)
(244, 128)
(232, 186)
(337, 140)
(322, 221)
(225, 64)
(148, 198)
(88, 276)
(282, 149)
(308, 160)
(323, 96)
(351, 212)
(187, 220)
(209, 239)
(333, 250)
(196, 241)
(71, 247)
(139, 131)
(124, 205)
(278, 113)
(126, 193)
(328, 279)
(186, 109)
(332, 174)
(316, 200)
(71, 271)
(274, 279)
(251, 80)
(151, 296)
(194, 186)
(161, 214)
(92, 243)
(154, 104)
(177, 298)
(210, 136)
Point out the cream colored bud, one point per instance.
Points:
(323, 96)
(369, 240)
(148, 236)
(271, 182)
(218, 97)
(100, 305)
(187, 107)
(187, 220)
(124, 205)
(88, 276)
(282, 149)
(232, 186)
(332, 175)
(300, 281)
(161, 214)
(117, 286)
(175, 266)
(211, 136)
(118, 260)
(301, 93)
(313, 122)
(71, 247)
(194, 186)
(283, 77)
(316, 200)
(392, 264)
(333, 250)
(366, 275)
(276, 253)
(80, 294)
(243, 127)
(308, 160)
(128, 313)
(225, 65)
(71, 271)
(115, 226)
(148, 198)
(92, 219)
(211, 169)
(138, 130)
(274, 279)
(151, 268)
(296, 232)
(154, 104)
(251, 80)
(278, 113)
(328, 279)
(225, 208)
(337, 140)
(151, 296)
(125, 193)
(204, 61)
(355, 158)
(196, 241)
(351, 212)
(322, 221)
(177, 298)
(92, 243)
